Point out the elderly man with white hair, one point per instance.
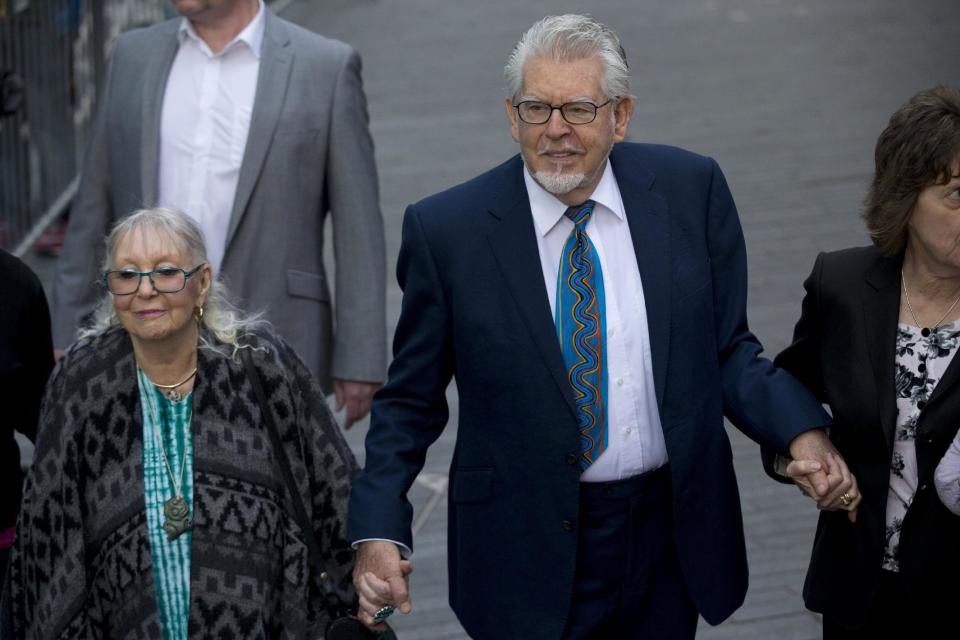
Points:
(589, 297)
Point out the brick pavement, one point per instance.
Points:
(788, 95)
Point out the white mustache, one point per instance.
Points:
(543, 152)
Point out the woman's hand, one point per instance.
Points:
(842, 492)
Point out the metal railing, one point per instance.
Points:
(52, 55)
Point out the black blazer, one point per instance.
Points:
(26, 358)
(844, 350)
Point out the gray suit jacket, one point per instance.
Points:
(309, 151)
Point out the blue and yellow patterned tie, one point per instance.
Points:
(581, 328)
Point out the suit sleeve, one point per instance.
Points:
(766, 403)
(74, 286)
(801, 357)
(360, 341)
(410, 411)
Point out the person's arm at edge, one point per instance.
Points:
(36, 354)
(947, 477)
(360, 341)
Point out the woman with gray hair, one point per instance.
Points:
(160, 505)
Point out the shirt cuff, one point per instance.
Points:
(405, 552)
(780, 466)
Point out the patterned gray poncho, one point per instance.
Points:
(81, 565)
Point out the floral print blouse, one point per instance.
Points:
(920, 363)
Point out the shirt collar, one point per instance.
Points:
(548, 210)
(252, 35)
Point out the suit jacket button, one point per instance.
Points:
(567, 525)
(571, 458)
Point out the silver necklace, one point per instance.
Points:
(924, 331)
(175, 510)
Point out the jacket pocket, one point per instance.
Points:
(472, 485)
(301, 284)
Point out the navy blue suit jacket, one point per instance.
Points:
(475, 307)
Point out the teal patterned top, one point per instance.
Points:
(171, 558)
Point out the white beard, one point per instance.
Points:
(559, 183)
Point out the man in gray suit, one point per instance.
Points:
(257, 128)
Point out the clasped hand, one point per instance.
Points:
(821, 473)
(381, 578)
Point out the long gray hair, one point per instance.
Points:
(571, 37)
(221, 317)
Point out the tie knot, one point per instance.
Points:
(580, 213)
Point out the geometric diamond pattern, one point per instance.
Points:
(81, 565)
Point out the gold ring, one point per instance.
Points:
(846, 499)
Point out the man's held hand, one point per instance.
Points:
(381, 578)
(821, 473)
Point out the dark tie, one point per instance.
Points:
(581, 328)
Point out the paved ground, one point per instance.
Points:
(788, 95)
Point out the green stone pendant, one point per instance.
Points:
(177, 522)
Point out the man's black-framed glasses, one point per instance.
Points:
(123, 282)
(536, 112)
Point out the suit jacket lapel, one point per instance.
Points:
(272, 81)
(650, 231)
(881, 313)
(514, 245)
(154, 86)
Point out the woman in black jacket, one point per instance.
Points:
(876, 341)
(26, 358)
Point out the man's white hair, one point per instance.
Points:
(570, 37)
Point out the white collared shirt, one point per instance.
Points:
(635, 441)
(635, 436)
(204, 124)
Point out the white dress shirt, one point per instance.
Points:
(635, 441)
(204, 124)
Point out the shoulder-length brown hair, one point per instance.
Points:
(920, 147)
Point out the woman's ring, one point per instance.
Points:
(846, 499)
(383, 613)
